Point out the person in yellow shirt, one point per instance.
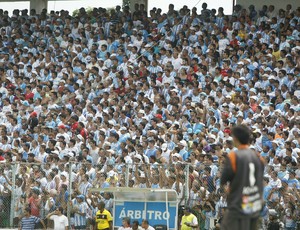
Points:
(276, 52)
(103, 218)
(188, 221)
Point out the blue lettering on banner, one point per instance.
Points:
(155, 212)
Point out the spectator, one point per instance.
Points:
(135, 225)
(155, 90)
(60, 221)
(146, 226)
(125, 224)
(34, 202)
(29, 221)
(80, 208)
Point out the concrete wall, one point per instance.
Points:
(259, 3)
(38, 5)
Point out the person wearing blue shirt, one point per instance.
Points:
(267, 138)
(49, 122)
(28, 222)
(64, 193)
(282, 173)
(197, 125)
(267, 189)
(124, 135)
(264, 139)
(2, 178)
(25, 152)
(115, 144)
(265, 151)
(151, 151)
(105, 184)
(185, 123)
(170, 144)
(120, 55)
(292, 181)
(182, 145)
(112, 45)
(280, 104)
(81, 210)
(103, 51)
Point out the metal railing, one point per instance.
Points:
(196, 185)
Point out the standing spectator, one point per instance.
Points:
(107, 199)
(34, 202)
(28, 222)
(180, 92)
(80, 212)
(60, 220)
(84, 185)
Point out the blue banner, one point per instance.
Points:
(154, 212)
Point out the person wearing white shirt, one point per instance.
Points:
(138, 41)
(271, 12)
(3, 91)
(223, 42)
(168, 58)
(60, 221)
(135, 225)
(275, 182)
(283, 44)
(146, 226)
(188, 220)
(6, 106)
(125, 224)
(4, 146)
(176, 62)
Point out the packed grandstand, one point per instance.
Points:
(113, 98)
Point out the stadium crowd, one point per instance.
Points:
(107, 90)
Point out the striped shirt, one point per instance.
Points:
(154, 69)
(28, 223)
(81, 220)
(83, 188)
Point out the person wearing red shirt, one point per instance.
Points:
(82, 130)
(34, 202)
(253, 103)
(74, 123)
(28, 93)
(225, 68)
(2, 158)
(234, 42)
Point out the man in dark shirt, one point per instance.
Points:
(243, 169)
